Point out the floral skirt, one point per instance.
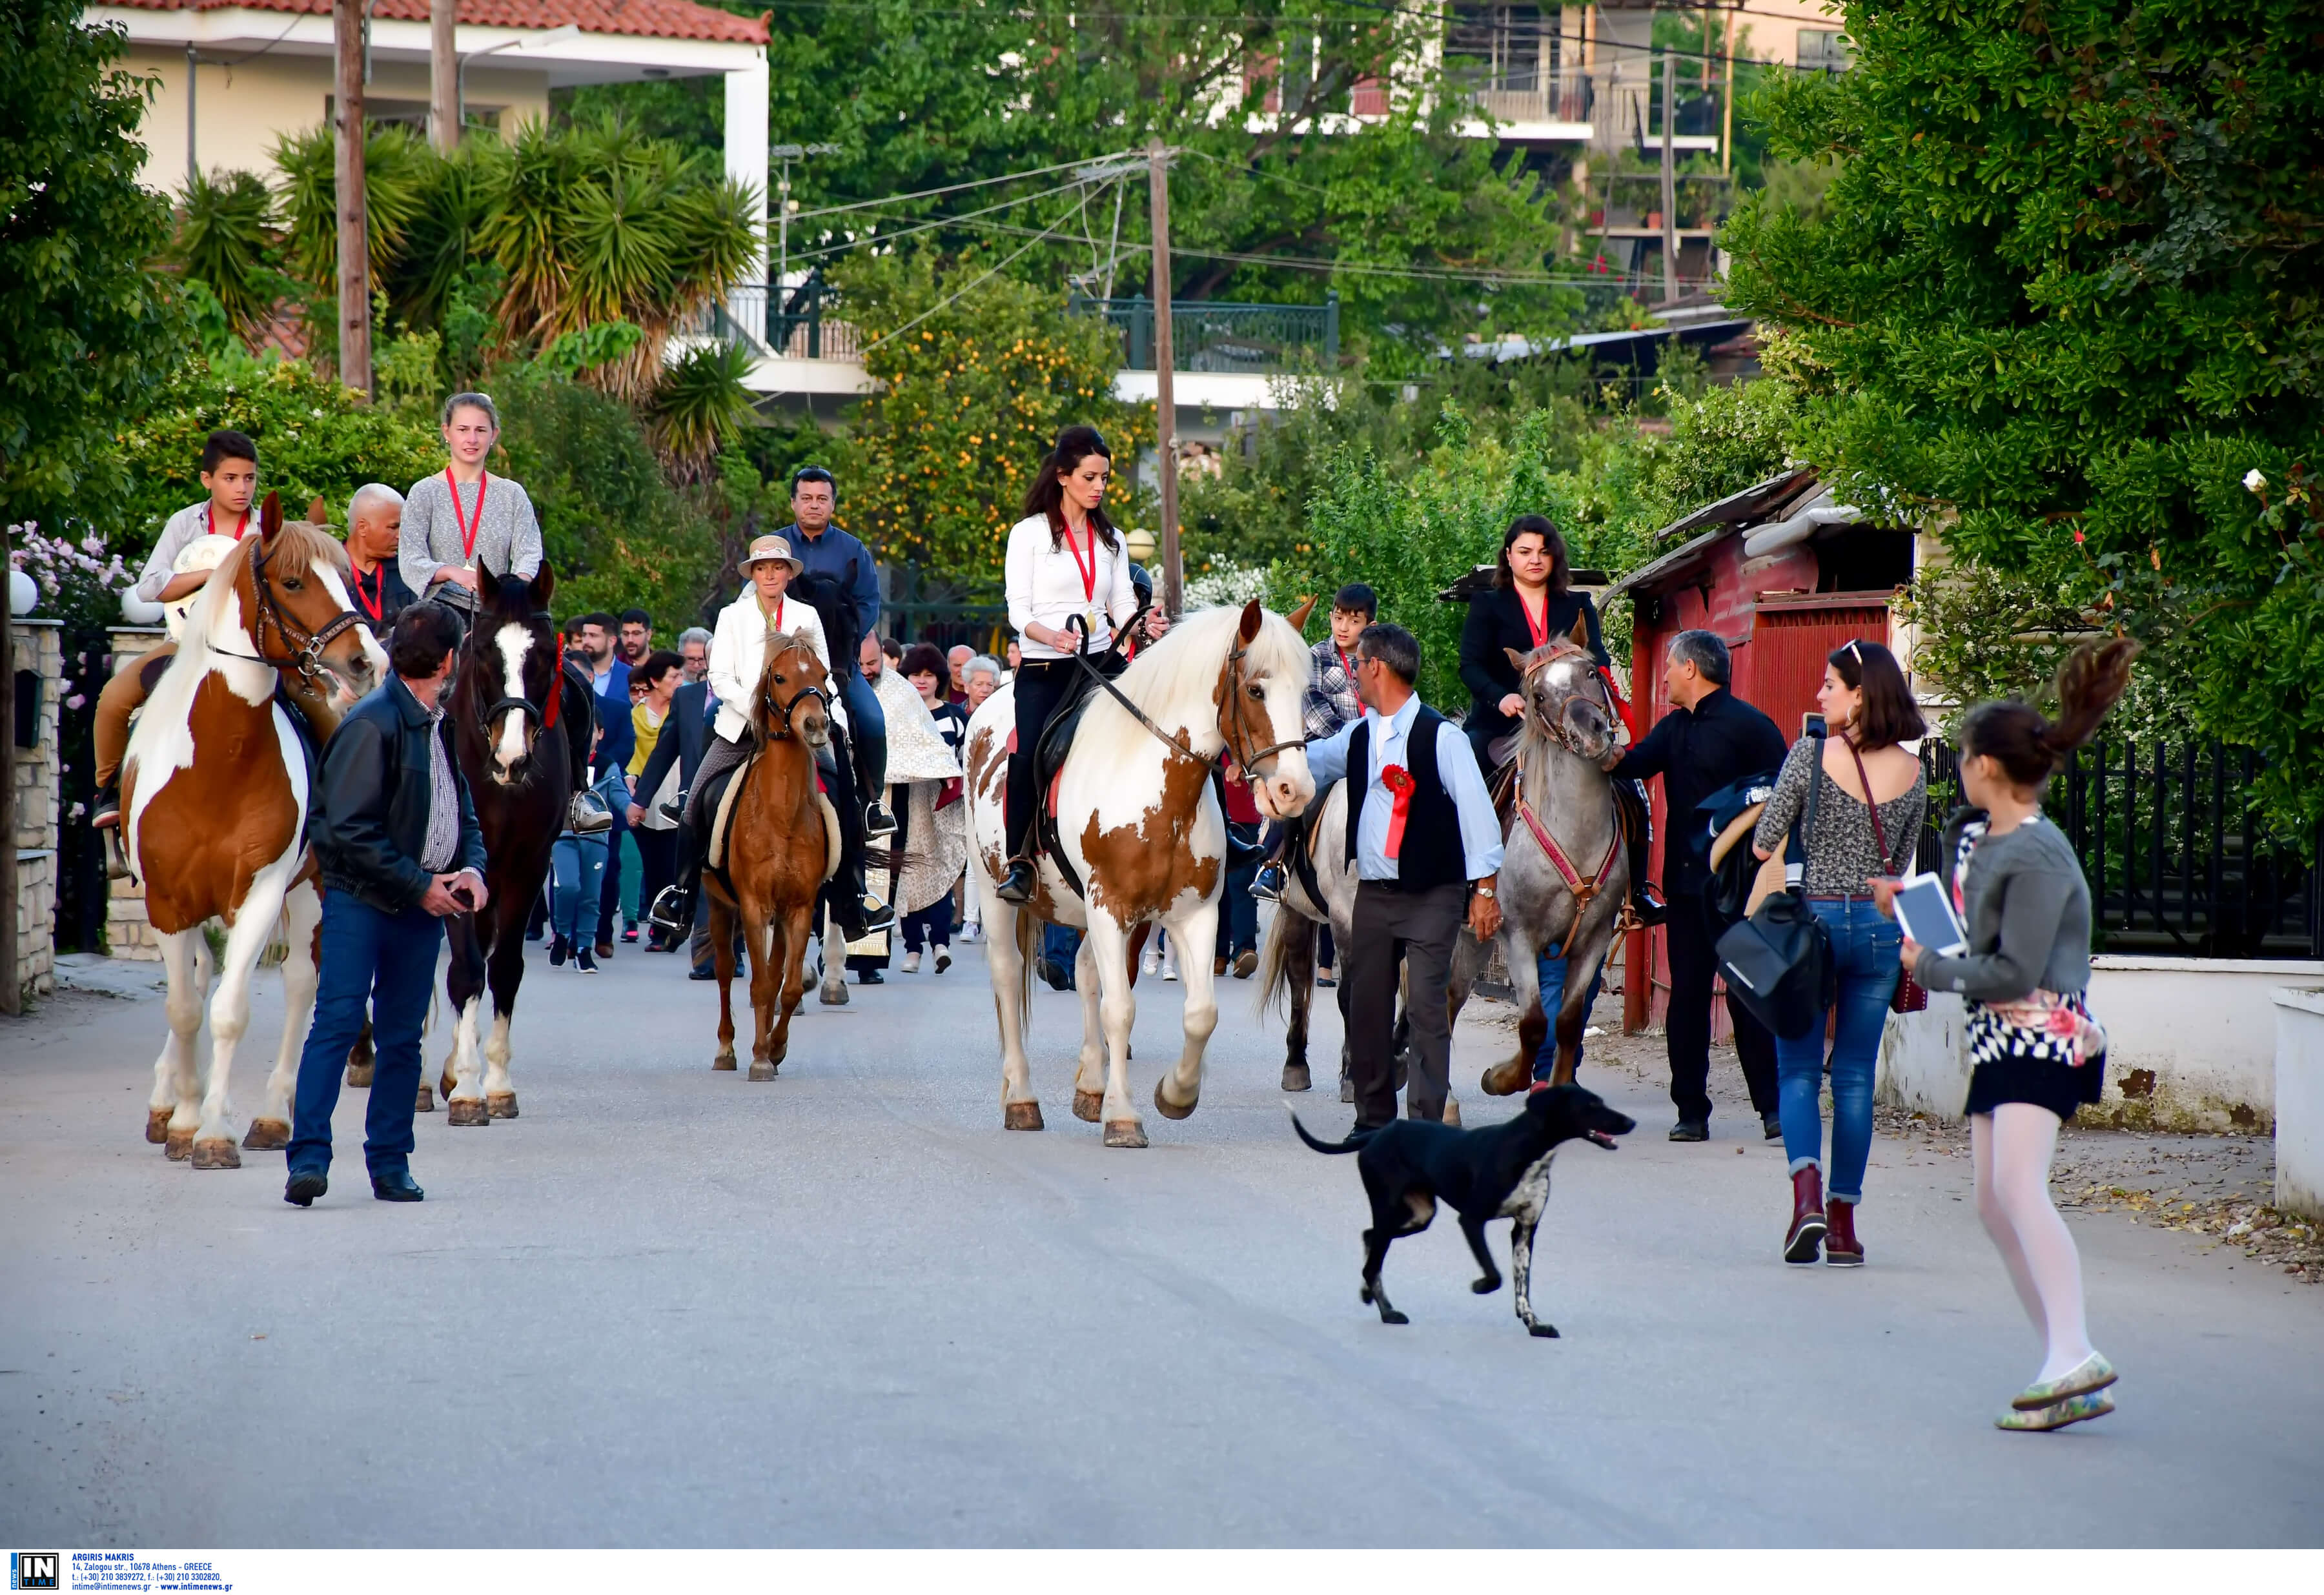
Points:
(2046, 1051)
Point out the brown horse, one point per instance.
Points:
(779, 854)
(214, 802)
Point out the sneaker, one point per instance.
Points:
(557, 950)
(1691, 1130)
(1170, 963)
(944, 960)
(1149, 962)
(912, 964)
(971, 932)
(630, 932)
(1246, 961)
(703, 973)
(583, 961)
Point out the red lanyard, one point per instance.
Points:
(374, 602)
(1346, 664)
(1539, 631)
(777, 624)
(468, 528)
(1089, 573)
(210, 523)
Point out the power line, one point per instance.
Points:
(982, 182)
(972, 282)
(943, 221)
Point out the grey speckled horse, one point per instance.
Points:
(1565, 875)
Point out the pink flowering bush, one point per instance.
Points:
(80, 580)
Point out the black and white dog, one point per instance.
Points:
(1500, 1173)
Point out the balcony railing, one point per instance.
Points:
(1555, 97)
(802, 331)
(1219, 336)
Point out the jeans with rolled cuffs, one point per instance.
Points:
(1864, 945)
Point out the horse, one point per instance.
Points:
(1563, 820)
(779, 854)
(215, 788)
(1138, 826)
(519, 730)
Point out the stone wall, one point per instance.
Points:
(126, 933)
(39, 648)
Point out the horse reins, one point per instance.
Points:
(540, 717)
(309, 658)
(1245, 757)
(1583, 888)
(783, 731)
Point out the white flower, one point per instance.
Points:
(2254, 481)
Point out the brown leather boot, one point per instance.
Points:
(1841, 1249)
(1806, 1233)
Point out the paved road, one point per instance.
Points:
(669, 1307)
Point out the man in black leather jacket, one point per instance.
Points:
(395, 834)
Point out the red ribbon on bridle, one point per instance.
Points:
(556, 684)
(1398, 781)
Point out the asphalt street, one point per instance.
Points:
(669, 1307)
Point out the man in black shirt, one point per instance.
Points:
(1710, 739)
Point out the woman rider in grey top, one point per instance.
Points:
(463, 521)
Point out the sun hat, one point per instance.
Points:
(771, 547)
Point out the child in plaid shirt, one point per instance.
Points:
(1331, 703)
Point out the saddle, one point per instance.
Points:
(1056, 740)
(719, 798)
(311, 738)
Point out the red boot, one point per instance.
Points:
(1841, 1250)
(1806, 1233)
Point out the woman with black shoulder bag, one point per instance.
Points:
(1870, 798)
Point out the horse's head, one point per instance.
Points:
(794, 696)
(1261, 694)
(292, 589)
(1565, 698)
(510, 673)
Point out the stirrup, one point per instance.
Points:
(877, 914)
(1267, 885)
(877, 820)
(672, 909)
(1023, 894)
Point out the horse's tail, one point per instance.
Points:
(1288, 951)
(1354, 1143)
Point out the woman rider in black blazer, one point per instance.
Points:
(1531, 602)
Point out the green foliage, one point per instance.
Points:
(702, 404)
(2066, 295)
(225, 240)
(586, 348)
(314, 437)
(82, 321)
(977, 373)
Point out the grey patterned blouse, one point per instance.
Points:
(1842, 854)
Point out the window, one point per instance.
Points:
(1824, 50)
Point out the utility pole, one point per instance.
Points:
(12, 992)
(1726, 113)
(444, 111)
(1670, 180)
(1165, 411)
(193, 168)
(355, 251)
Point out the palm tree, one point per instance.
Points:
(701, 404)
(226, 240)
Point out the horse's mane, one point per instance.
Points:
(1172, 680)
(302, 544)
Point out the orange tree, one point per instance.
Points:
(975, 379)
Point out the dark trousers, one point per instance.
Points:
(1694, 962)
(930, 928)
(1040, 686)
(1238, 909)
(1417, 928)
(656, 861)
(379, 964)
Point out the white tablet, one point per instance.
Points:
(1925, 910)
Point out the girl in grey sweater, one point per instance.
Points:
(2036, 1052)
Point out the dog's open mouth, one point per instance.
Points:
(1599, 1138)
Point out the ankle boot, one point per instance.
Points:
(1806, 1233)
(1841, 1250)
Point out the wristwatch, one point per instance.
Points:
(1483, 891)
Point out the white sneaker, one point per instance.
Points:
(912, 964)
(1149, 962)
(1170, 963)
(973, 931)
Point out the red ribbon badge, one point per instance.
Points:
(1398, 780)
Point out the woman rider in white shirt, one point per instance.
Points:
(738, 651)
(1065, 562)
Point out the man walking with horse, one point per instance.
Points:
(1427, 846)
(395, 833)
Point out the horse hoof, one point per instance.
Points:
(179, 1145)
(217, 1152)
(1088, 1105)
(445, 1086)
(157, 1125)
(762, 1069)
(1505, 1079)
(465, 1112)
(266, 1135)
(1295, 1077)
(359, 1077)
(832, 996)
(501, 1104)
(1124, 1132)
(427, 1102)
(1168, 1108)
(1028, 1115)
(1452, 1113)
(724, 1061)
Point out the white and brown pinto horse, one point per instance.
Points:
(1140, 827)
(214, 802)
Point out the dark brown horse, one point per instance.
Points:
(520, 726)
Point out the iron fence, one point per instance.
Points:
(2180, 859)
(1212, 335)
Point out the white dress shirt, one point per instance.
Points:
(738, 652)
(1457, 768)
(1045, 584)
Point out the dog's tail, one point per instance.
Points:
(1354, 1143)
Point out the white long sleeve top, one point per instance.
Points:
(738, 653)
(1047, 585)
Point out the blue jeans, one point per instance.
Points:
(1864, 946)
(380, 964)
(1551, 967)
(577, 867)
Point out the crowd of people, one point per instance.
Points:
(1837, 814)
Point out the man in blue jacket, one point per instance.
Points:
(395, 834)
(827, 550)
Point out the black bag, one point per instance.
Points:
(1778, 963)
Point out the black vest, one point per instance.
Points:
(1432, 854)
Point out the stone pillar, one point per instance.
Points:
(126, 933)
(39, 648)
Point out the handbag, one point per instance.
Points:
(1909, 998)
(1778, 963)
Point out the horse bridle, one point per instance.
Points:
(1246, 758)
(539, 717)
(783, 731)
(309, 658)
(1557, 653)
(1582, 887)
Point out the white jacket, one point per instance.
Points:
(1045, 584)
(738, 652)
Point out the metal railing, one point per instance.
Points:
(1219, 336)
(795, 328)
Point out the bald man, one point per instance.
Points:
(374, 536)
